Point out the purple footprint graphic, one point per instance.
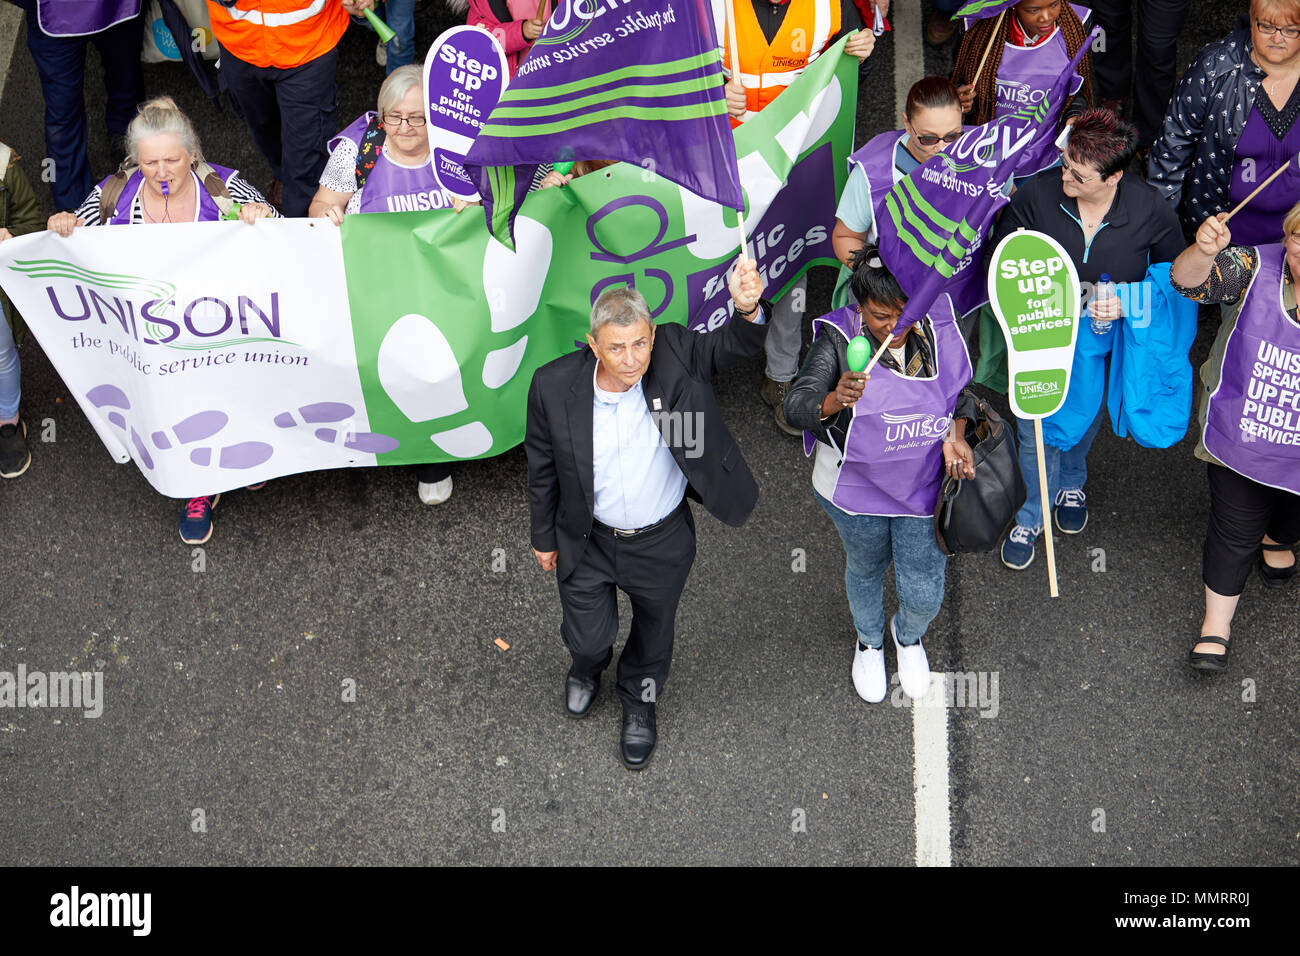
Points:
(197, 427)
(335, 413)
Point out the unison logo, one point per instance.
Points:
(103, 909)
(147, 309)
(916, 425)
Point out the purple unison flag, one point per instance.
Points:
(633, 80)
(982, 9)
(931, 252)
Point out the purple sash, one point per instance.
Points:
(394, 188)
(1253, 423)
(893, 454)
(208, 211)
(74, 18)
(876, 159)
(1024, 77)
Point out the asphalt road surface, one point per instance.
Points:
(224, 689)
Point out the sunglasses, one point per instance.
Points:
(929, 139)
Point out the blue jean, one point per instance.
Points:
(400, 17)
(61, 65)
(1065, 469)
(10, 369)
(870, 542)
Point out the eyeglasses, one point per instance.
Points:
(1072, 170)
(929, 139)
(395, 120)
(1268, 29)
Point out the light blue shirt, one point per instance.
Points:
(854, 210)
(637, 481)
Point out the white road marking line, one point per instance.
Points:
(906, 27)
(930, 776)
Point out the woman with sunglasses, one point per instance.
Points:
(882, 449)
(1111, 224)
(1232, 123)
(381, 163)
(931, 123)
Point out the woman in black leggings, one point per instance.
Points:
(1250, 417)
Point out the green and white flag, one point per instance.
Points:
(217, 355)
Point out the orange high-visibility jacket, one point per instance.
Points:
(279, 33)
(767, 69)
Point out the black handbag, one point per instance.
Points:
(972, 514)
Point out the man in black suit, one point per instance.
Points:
(618, 436)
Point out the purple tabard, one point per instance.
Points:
(1253, 423)
(74, 18)
(893, 454)
(876, 159)
(208, 211)
(391, 187)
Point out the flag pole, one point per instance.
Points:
(734, 49)
(1047, 513)
(989, 48)
(1276, 173)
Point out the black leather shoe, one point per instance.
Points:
(637, 741)
(580, 694)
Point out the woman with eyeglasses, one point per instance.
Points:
(1250, 429)
(931, 123)
(880, 451)
(382, 163)
(1232, 123)
(1111, 224)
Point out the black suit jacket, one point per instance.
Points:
(558, 440)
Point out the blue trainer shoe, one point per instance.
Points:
(196, 519)
(1018, 547)
(1071, 511)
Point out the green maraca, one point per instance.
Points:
(859, 352)
(563, 168)
(384, 31)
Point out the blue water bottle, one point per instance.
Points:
(1103, 291)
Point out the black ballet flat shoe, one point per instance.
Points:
(1202, 661)
(1274, 577)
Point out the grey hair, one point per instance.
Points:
(161, 116)
(397, 85)
(621, 306)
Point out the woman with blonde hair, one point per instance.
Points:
(163, 179)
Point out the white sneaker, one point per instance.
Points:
(381, 54)
(869, 673)
(913, 666)
(436, 492)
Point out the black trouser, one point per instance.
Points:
(1241, 513)
(433, 473)
(292, 114)
(61, 65)
(1158, 25)
(651, 568)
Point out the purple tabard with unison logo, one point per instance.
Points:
(74, 18)
(464, 75)
(876, 160)
(1024, 76)
(391, 187)
(207, 211)
(1253, 423)
(893, 454)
